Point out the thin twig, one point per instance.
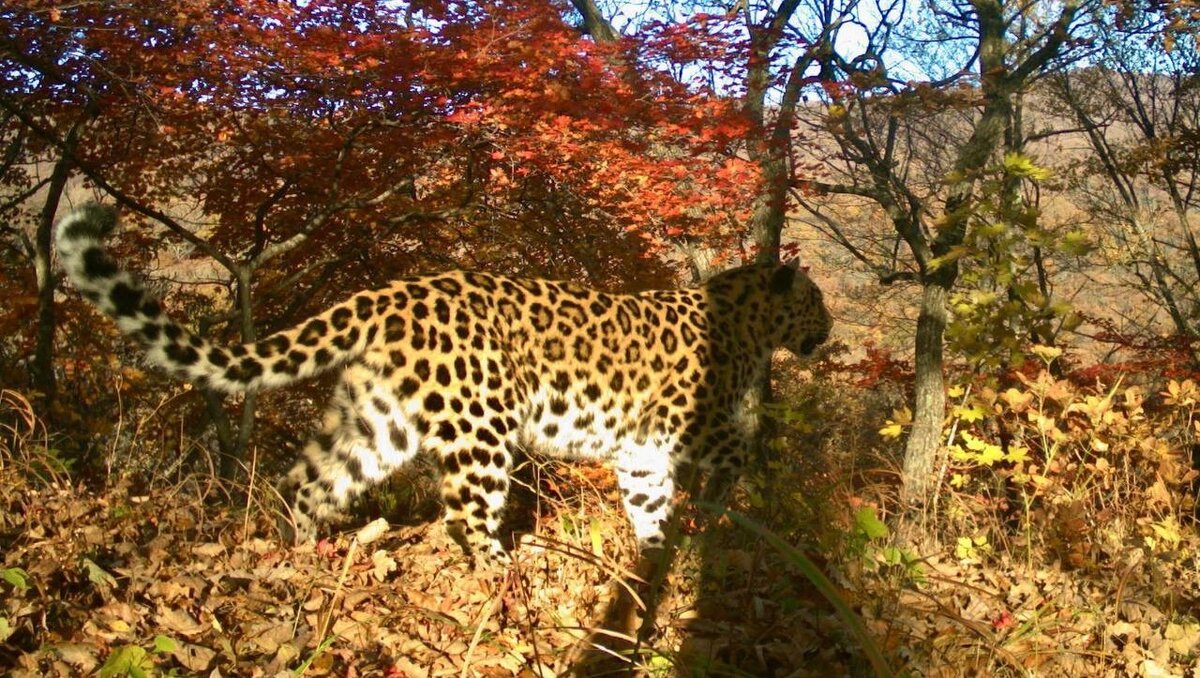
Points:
(488, 611)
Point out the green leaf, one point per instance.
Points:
(661, 665)
(97, 575)
(5, 629)
(594, 531)
(165, 644)
(869, 524)
(1168, 530)
(891, 555)
(18, 578)
(990, 230)
(755, 498)
(129, 661)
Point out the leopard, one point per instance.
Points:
(471, 368)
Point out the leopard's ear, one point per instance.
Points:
(784, 277)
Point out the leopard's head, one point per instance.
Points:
(798, 309)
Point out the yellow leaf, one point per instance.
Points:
(1180, 394)
(974, 444)
(953, 254)
(990, 454)
(970, 414)
(983, 298)
(597, 538)
(1184, 637)
(1076, 243)
(1046, 353)
(1017, 454)
(1020, 165)
(1167, 530)
(1046, 425)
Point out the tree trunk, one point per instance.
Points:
(929, 396)
(232, 446)
(770, 208)
(770, 212)
(233, 460)
(925, 440)
(42, 369)
(594, 23)
(701, 257)
(214, 406)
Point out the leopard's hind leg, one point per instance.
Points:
(364, 438)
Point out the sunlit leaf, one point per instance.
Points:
(1020, 165)
(869, 524)
(1017, 454)
(97, 575)
(970, 414)
(16, 577)
(128, 661)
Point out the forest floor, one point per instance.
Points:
(169, 580)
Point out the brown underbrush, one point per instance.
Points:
(1062, 541)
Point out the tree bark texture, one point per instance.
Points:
(929, 406)
(42, 368)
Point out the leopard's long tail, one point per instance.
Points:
(316, 345)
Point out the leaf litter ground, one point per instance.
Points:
(116, 582)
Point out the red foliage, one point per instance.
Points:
(466, 127)
(1171, 357)
(877, 367)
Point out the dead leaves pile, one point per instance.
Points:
(1011, 618)
(129, 586)
(117, 583)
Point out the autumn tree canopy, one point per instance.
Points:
(382, 117)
